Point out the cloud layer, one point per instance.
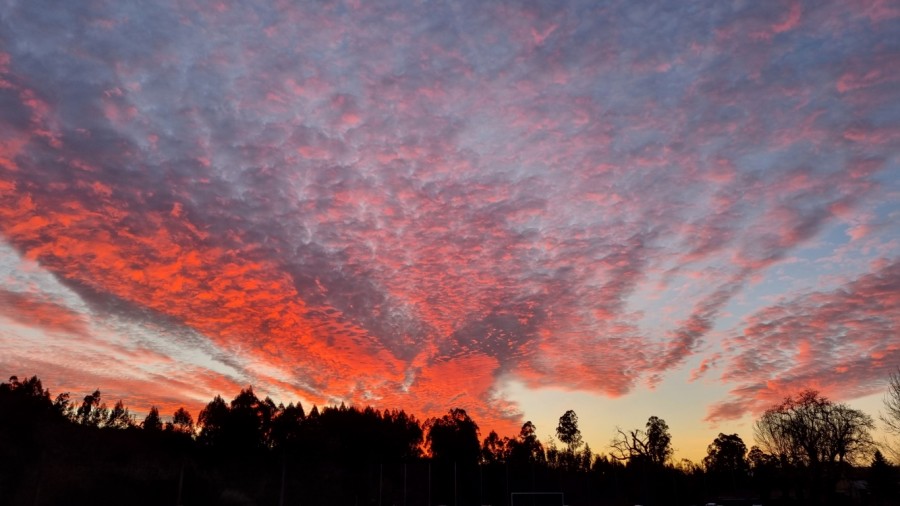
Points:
(404, 203)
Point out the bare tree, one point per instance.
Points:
(848, 439)
(891, 416)
(655, 444)
(814, 436)
(631, 445)
(811, 430)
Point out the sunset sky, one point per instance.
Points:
(683, 209)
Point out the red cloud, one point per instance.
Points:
(30, 310)
(350, 207)
(841, 342)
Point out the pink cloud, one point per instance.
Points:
(360, 203)
(791, 20)
(840, 342)
(31, 310)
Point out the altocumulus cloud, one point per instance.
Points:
(404, 203)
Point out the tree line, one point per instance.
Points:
(809, 450)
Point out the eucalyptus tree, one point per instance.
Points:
(453, 437)
(567, 431)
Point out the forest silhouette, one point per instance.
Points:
(252, 451)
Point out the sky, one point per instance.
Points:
(625, 208)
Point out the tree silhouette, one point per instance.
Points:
(287, 423)
(882, 477)
(152, 422)
(453, 437)
(119, 417)
(248, 420)
(567, 431)
(21, 402)
(763, 469)
(812, 430)
(659, 440)
(586, 458)
(213, 420)
(494, 449)
(63, 406)
(891, 415)
(727, 453)
(726, 459)
(402, 434)
(629, 445)
(29, 391)
(254, 451)
(92, 411)
(527, 448)
(183, 422)
(756, 459)
(815, 437)
(654, 445)
(30, 388)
